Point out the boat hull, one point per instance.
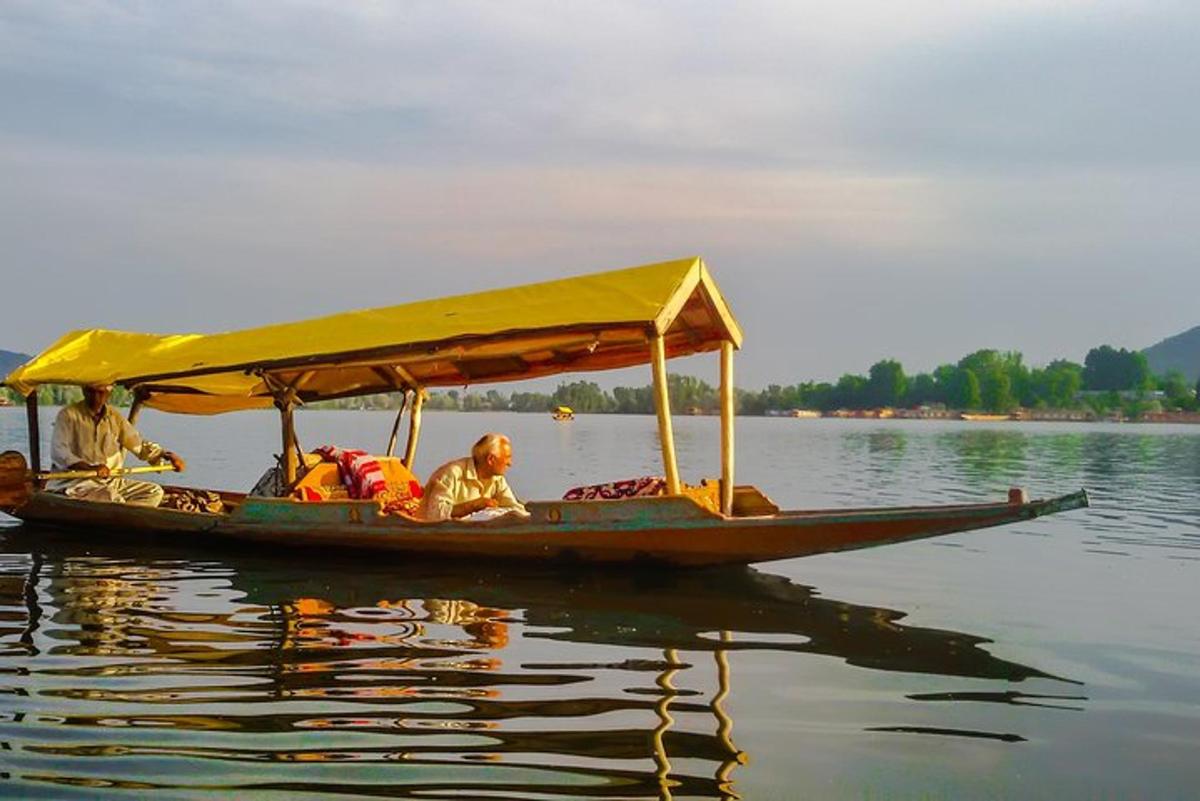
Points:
(669, 530)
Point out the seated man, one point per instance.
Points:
(91, 435)
(465, 486)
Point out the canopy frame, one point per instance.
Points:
(623, 318)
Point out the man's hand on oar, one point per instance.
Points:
(103, 471)
(97, 470)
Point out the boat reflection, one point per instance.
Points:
(424, 681)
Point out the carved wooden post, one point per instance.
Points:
(662, 405)
(290, 460)
(35, 437)
(726, 427)
(414, 428)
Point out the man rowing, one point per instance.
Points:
(93, 436)
(465, 487)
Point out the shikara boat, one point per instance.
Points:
(563, 413)
(636, 316)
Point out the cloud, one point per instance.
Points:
(1109, 85)
(867, 179)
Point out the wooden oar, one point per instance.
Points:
(17, 481)
(117, 473)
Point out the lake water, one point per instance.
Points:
(1055, 659)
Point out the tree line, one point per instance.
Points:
(987, 380)
(1109, 379)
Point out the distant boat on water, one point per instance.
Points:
(984, 418)
(563, 413)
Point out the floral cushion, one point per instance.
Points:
(629, 488)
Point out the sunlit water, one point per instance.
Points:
(1058, 658)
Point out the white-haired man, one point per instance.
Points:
(91, 435)
(465, 486)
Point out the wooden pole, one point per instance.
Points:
(726, 427)
(35, 437)
(662, 405)
(391, 446)
(414, 428)
(290, 461)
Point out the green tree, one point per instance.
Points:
(922, 389)
(887, 383)
(1176, 389)
(633, 400)
(995, 372)
(851, 392)
(583, 396)
(1055, 386)
(61, 395)
(495, 401)
(773, 398)
(687, 392)
(946, 378)
(531, 402)
(964, 390)
(1105, 368)
(747, 402)
(442, 401)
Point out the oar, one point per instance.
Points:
(115, 473)
(17, 481)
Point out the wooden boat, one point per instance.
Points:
(563, 413)
(641, 315)
(975, 417)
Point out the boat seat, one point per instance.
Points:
(749, 501)
(707, 493)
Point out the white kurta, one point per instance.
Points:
(78, 437)
(456, 482)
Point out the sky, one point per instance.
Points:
(865, 180)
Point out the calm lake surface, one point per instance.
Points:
(1055, 659)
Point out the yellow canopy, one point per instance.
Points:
(590, 322)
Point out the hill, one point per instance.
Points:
(1180, 352)
(10, 361)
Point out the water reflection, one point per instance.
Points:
(995, 454)
(134, 670)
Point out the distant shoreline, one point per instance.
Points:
(1021, 416)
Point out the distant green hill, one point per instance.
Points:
(1180, 352)
(9, 361)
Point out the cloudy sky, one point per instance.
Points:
(866, 180)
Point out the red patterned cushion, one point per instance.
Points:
(629, 488)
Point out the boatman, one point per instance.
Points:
(91, 435)
(465, 488)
